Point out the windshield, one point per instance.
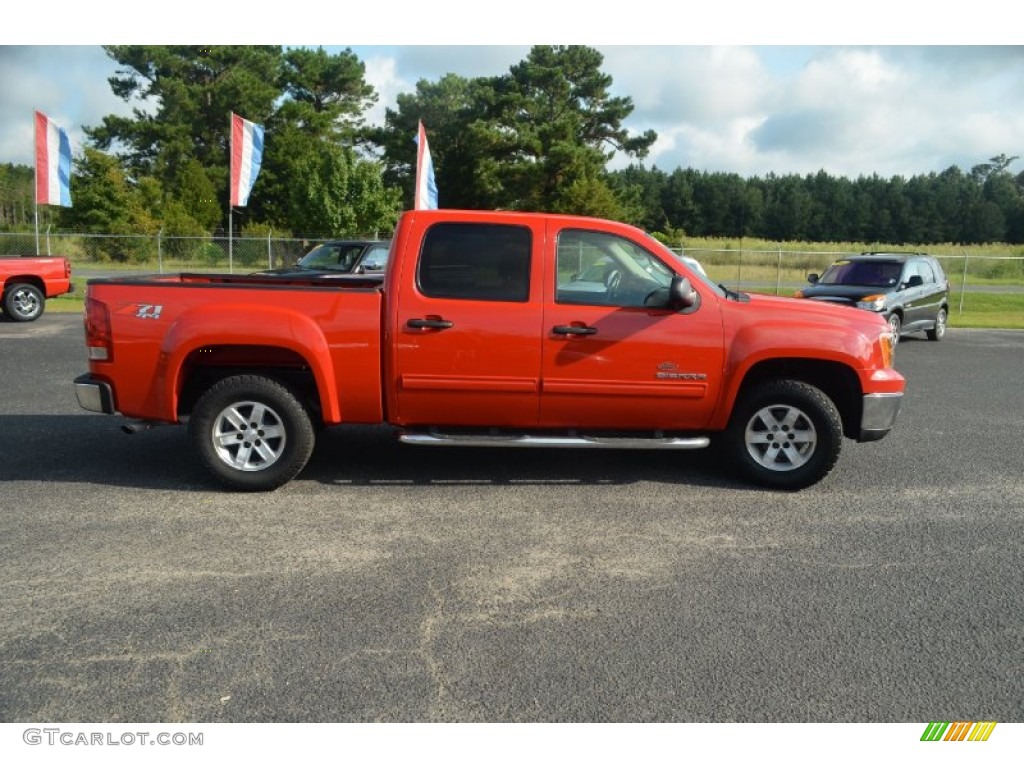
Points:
(697, 271)
(339, 256)
(876, 274)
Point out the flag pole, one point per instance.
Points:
(35, 178)
(231, 187)
(246, 156)
(231, 259)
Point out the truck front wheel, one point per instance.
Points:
(785, 434)
(23, 302)
(251, 433)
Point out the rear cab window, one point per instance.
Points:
(483, 262)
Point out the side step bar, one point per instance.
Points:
(481, 440)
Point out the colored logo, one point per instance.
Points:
(959, 731)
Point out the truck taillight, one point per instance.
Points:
(98, 339)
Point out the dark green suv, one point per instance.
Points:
(910, 289)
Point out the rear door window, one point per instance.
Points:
(484, 262)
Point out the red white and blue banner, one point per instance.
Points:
(426, 186)
(246, 158)
(53, 163)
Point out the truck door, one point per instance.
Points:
(614, 355)
(468, 332)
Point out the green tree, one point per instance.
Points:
(189, 93)
(337, 193)
(1003, 208)
(17, 196)
(787, 209)
(106, 203)
(538, 137)
(309, 150)
(327, 95)
(560, 127)
(640, 191)
(310, 103)
(460, 140)
(196, 194)
(312, 179)
(679, 203)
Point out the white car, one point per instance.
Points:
(693, 264)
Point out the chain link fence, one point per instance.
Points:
(159, 253)
(782, 272)
(765, 270)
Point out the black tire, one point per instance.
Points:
(251, 433)
(785, 434)
(23, 302)
(939, 331)
(896, 326)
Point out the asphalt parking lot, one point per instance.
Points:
(394, 583)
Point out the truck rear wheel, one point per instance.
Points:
(785, 434)
(23, 302)
(251, 433)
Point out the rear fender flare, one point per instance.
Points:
(244, 325)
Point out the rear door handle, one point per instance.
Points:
(574, 330)
(429, 322)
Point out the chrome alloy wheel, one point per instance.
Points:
(26, 302)
(248, 436)
(780, 437)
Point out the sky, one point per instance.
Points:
(738, 90)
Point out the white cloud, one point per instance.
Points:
(689, 84)
(750, 110)
(382, 74)
(849, 111)
(67, 83)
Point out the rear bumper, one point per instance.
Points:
(878, 415)
(94, 395)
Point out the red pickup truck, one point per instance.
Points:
(491, 329)
(28, 281)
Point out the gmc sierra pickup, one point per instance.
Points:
(27, 282)
(491, 329)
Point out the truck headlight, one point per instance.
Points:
(875, 303)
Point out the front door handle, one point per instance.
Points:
(429, 322)
(574, 330)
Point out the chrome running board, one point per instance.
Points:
(482, 440)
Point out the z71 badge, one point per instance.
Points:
(149, 311)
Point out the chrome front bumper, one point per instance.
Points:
(878, 415)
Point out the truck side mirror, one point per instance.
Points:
(915, 281)
(681, 294)
(813, 278)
